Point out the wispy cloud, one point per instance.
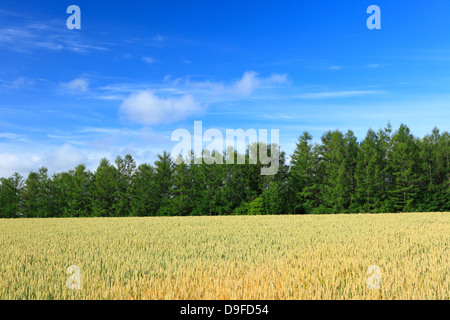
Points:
(375, 65)
(159, 38)
(19, 83)
(247, 85)
(47, 35)
(148, 60)
(340, 94)
(277, 116)
(176, 99)
(11, 136)
(243, 87)
(250, 82)
(78, 85)
(146, 108)
(13, 14)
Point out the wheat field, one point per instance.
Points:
(250, 257)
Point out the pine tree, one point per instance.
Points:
(104, 191)
(31, 196)
(302, 182)
(234, 185)
(124, 173)
(405, 169)
(333, 167)
(80, 204)
(62, 186)
(144, 201)
(443, 160)
(429, 166)
(386, 174)
(351, 151)
(368, 175)
(274, 199)
(434, 180)
(182, 190)
(164, 181)
(10, 196)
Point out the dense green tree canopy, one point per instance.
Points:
(385, 172)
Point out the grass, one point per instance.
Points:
(249, 257)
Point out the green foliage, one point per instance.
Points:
(256, 207)
(103, 195)
(385, 172)
(303, 176)
(124, 173)
(143, 190)
(11, 196)
(405, 168)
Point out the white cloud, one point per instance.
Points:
(376, 65)
(250, 82)
(340, 94)
(148, 60)
(10, 163)
(11, 136)
(65, 157)
(247, 84)
(180, 98)
(18, 83)
(45, 35)
(26, 159)
(276, 79)
(78, 85)
(21, 82)
(159, 38)
(146, 108)
(111, 97)
(207, 91)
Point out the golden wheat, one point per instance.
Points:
(263, 257)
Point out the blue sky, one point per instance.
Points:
(136, 71)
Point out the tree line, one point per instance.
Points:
(386, 172)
